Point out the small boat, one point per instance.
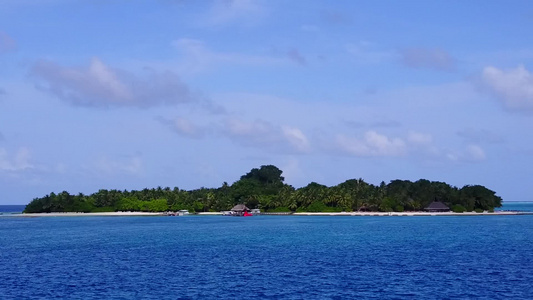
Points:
(182, 212)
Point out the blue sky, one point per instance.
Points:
(135, 94)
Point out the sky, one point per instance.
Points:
(181, 93)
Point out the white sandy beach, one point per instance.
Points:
(400, 214)
(80, 214)
(414, 213)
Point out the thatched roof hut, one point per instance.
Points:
(240, 208)
(437, 206)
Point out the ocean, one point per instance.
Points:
(267, 257)
(11, 209)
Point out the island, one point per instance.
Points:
(264, 188)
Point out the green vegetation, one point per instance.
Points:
(458, 208)
(264, 188)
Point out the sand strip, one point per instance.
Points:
(381, 214)
(417, 213)
(80, 214)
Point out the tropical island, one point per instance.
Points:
(264, 188)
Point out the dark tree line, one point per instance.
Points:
(264, 188)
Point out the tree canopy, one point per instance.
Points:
(264, 188)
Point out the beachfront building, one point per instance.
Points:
(437, 206)
(239, 209)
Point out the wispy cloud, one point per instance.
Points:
(371, 144)
(421, 139)
(225, 12)
(20, 161)
(263, 134)
(480, 136)
(296, 57)
(334, 17)
(472, 153)
(405, 123)
(365, 52)
(257, 133)
(197, 57)
(514, 87)
(296, 138)
(115, 166)
(428, 58)
(6, 43)
(184, 127)
(310, 28)
(100, 85)
(374, 124)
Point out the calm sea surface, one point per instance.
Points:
(271, 257)
(11, 208)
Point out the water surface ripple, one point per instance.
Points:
(269, 257)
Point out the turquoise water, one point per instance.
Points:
(272, 257)
(521, 206)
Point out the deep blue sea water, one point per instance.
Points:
(8, 209)
(266, 257)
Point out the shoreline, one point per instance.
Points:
(94, 214)
(413, 213)
(347, 214)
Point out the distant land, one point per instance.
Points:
(264, 188)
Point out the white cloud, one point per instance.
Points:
(418, 138)
(422, 146)
(472, 153)
(99, 85)
(20, 161)
(372, 144)
(514, 87)
(107, 80)
(256, 133)
(410, 123)
(475, 152)
(187, 128)
(184, 126)
(296, 138)
(437, 59)
(265, 135)
(236, 127)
